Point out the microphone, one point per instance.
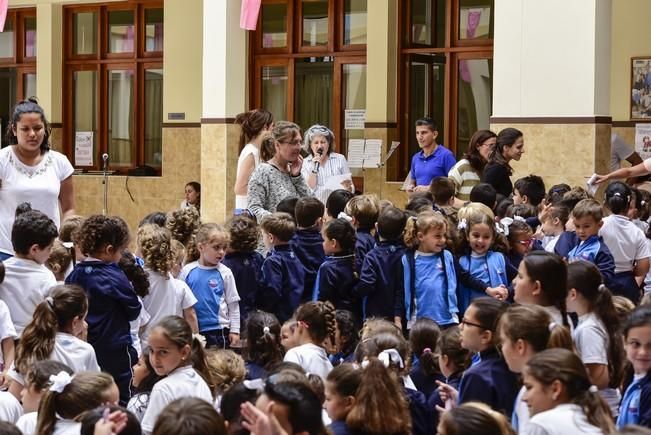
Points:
(105, 158)
(319, 151)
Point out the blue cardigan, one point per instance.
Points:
(335, 282)
(246, 268)
(307, 245)
(282, 282)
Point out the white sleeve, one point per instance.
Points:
(7, 329)
(158, 400)
(15, 376)
(91, 361)
(642, 250)
(186, 270)
(230, 287)
(49, 281)
(591, 345)
(188, 299)
(534, 429)
(63, 167)
(293, 356)
(10, 408)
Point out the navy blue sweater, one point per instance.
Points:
(364, 243)
(335, 283)
(381, 281)
(422, 416)
(307, 244)
(246, 268)
(112, 303)
(282, 282)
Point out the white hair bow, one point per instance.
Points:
(343, 215)
(389, 356)
(60, 381)
(463, 224)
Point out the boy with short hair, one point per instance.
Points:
(484, 193)
(27, 280)
(588, 245)
(363, 211)
(307, 242)
(381, 283)
(443, 191)
(529, 190)
(283, 276)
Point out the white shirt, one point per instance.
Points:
(27, 423)
(7, 329)
(166, 297)
(182, 382)
(625, 240)
(312, 358)
(26, 285)
(549, 243)
(591, 341)
(521, 410)
(557, 317)
(136, 325)
(66, 427)
(335, 165)
(10, 407)
(241, 201)
(619, 151)
(39, 185)
(563, 420)
(73, 352)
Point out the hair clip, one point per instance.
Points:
(265, 330)
(427, 350)
(343, 215)
(593, 389)
(389, 356)
(551, 326)
(463, 224)
(201, 338)
(617, 194)
(60, 381)
(255, 384)
(519, 218)
(68, 245)
(502, 226)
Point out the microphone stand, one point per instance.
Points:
(105, 183)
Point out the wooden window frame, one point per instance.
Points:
(102, 62)
(17, 17)
(340, 24)
(453, 51)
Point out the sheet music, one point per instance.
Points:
(355, 153)
(372, 153)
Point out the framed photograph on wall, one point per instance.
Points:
(641, 88)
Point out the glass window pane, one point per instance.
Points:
(154, 29)
(85, 33)
(426, 96)
(120, 116)
(315, 22)
(475, 99)
(7, 40)
(29, 85)
(354, 98)
(121, 31)
(274, 25)
(313, 91)
(274, 90)
(84, 108)
(30, 36)
(426, 14)
(7, 97)
(355, 22)
(475, 19)
(154, 117)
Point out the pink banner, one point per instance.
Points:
(248, 14)
(3, 13)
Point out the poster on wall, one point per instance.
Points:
(643, 140)
(640, 88)
(84, 148)
(354, 119)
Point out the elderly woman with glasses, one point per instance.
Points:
(324, 170)
(279, 177)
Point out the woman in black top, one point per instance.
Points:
(509, 146)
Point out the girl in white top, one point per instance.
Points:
(322, 163)
(192, 196)
(177, 355)
(597, 338)
(561, 398)
(53, 334)
(31, 172)
(627, 243)
(69, 396)
(37, 382)
(167, 296)
(526, 330)
(315, 321)
(255, 124)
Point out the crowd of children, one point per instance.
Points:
(523, 315)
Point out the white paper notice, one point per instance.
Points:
(372, 153)
(84, 148)
(355, 153)
(643, 140)
(335, 181)
(354, 119)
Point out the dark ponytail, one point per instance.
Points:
(263, 339)
(423, 337)
(618, 197)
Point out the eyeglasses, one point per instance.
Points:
(526, 242)
(292, 142)
(467, 323)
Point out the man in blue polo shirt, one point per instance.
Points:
(432, 160)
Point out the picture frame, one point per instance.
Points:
(640, 90)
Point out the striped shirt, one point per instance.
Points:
(335, 165)
(465, 178)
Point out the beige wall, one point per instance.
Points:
(629, 39)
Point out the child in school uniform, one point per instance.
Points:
(27, 281)
(244, 261)
(363, 211)
(626, 242)
(337, 275)
(453, 360)
(213, 284)
(553, 220)
(59, 261)
(112, 302)
(381, 280)
(283, 276)
(307, 242)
